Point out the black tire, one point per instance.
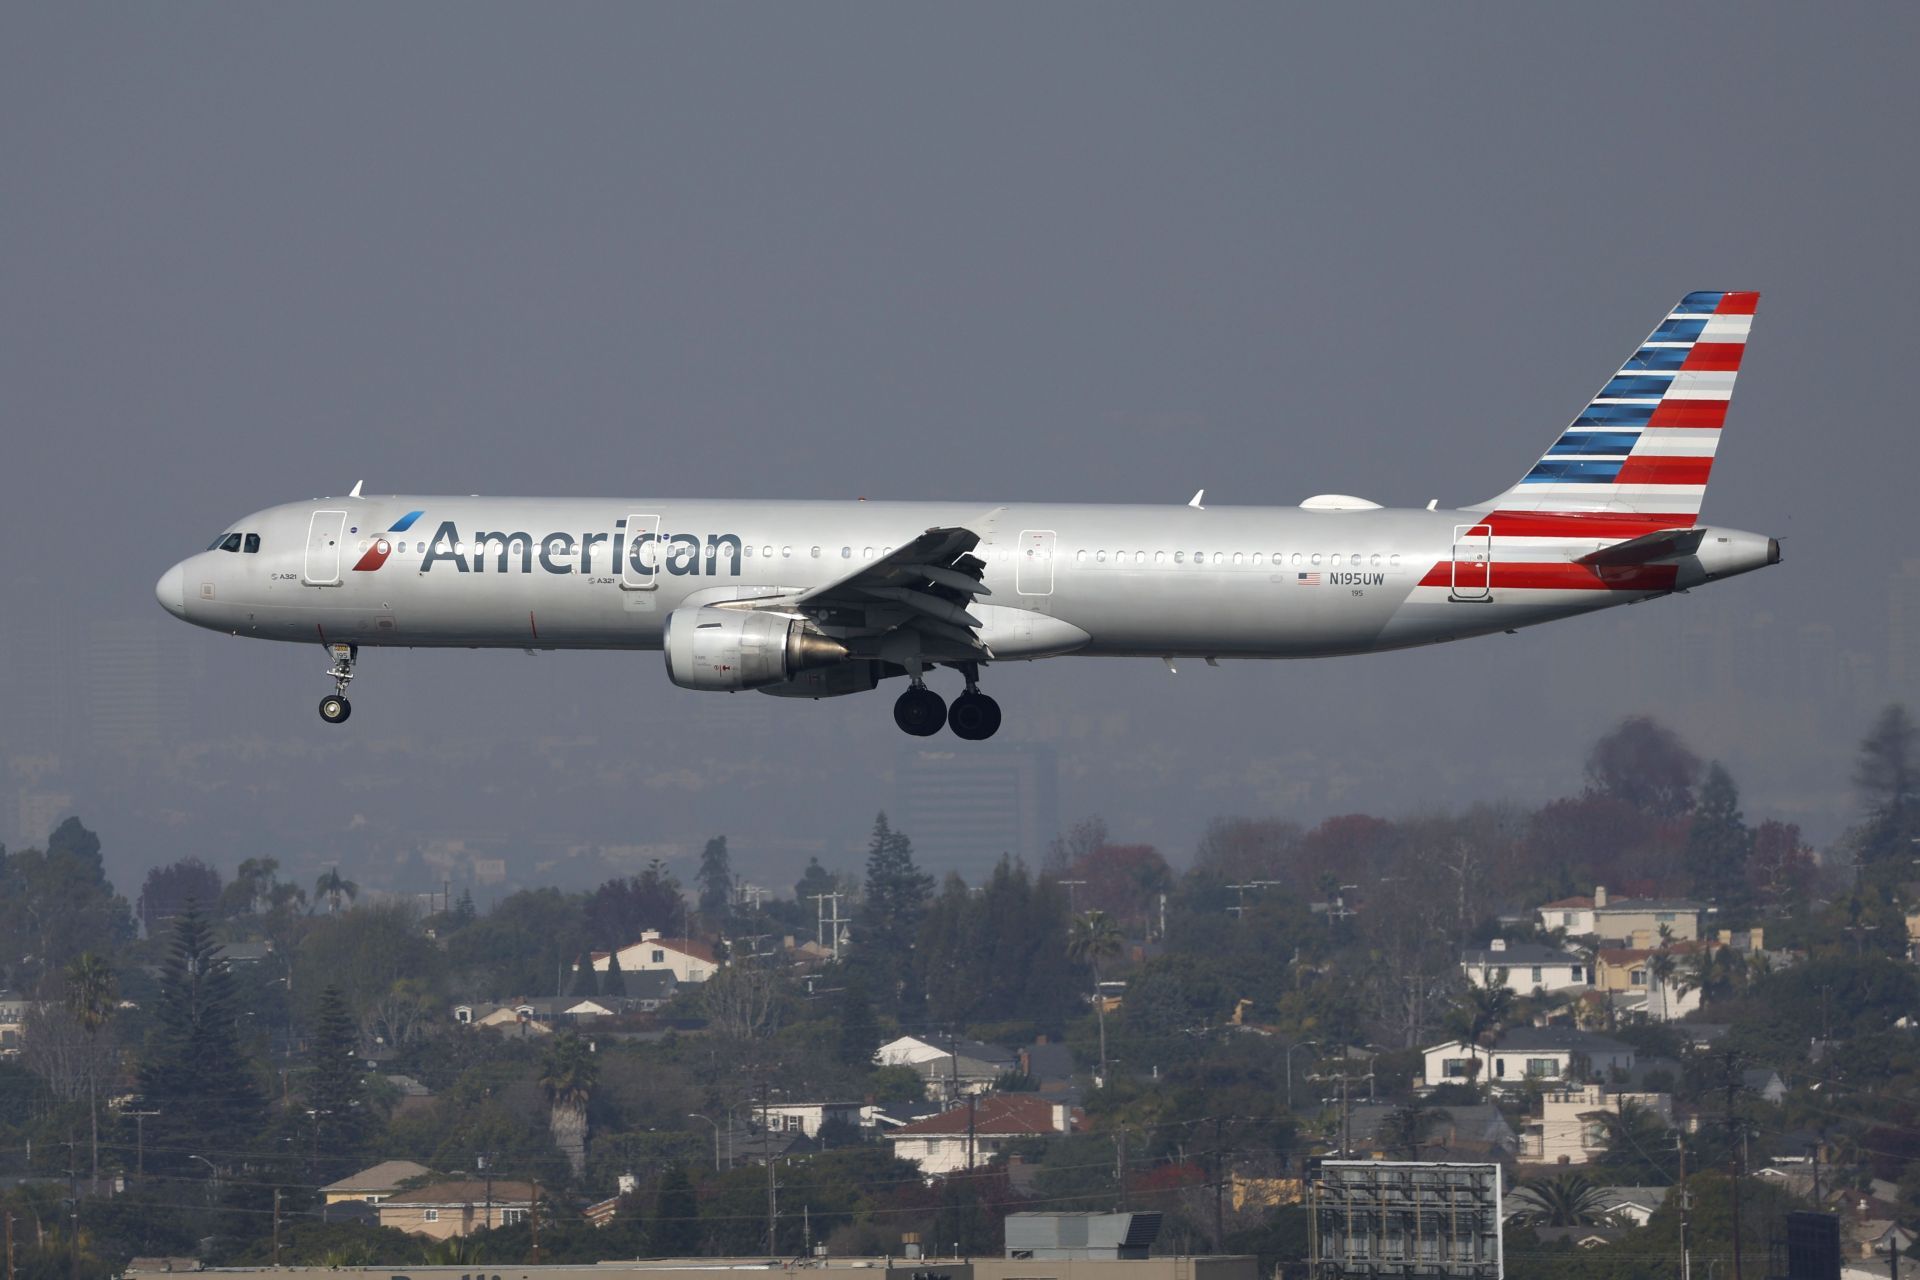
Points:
(335, 709)
(974, 717)
(920, 712)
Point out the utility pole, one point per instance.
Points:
(73, 1190)
(971, 1101)
(827, 925)
(1686, 1206)
(486, 1163)
(773, 1203)
(9, 1244)
(276, 1226)
(1219, 1186)
(533, 1220)
(1733, 1157)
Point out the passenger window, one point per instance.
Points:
(1354, 559)
(816, 553)
(1296, 557)
(1334, 558)
(1374, 560)
(1199, 557)
(1139, 557)
(1219, 557)
(1179, 557)
(747, 551)
(866, 553)
(1256, 557)
(253, 544)
(1079, 557)
(1394, 560)
(786, 553)
(1316, 557)
(230, 543)
(1238, 558)
(1100, 557)
(1159, 557)
(846, 553)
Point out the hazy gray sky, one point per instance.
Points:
(1107, 252)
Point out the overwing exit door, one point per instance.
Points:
(1033, 575)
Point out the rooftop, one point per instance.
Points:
(997, 1115)
(381, 1177)
(466, 1191)
(1515, 953)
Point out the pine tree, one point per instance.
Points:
(464, 912)
(616, 981)
(1888, 779)
(336, 1093)
(194, 1072)
(675, 1229)
(586, 979)
(859, 1034)
(1718, 841)
(715, 879)
(895, 896)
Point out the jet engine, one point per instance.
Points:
(729, 649)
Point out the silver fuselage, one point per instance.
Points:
(1228, 582)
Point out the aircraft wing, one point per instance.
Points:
(925, 586)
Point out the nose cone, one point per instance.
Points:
(171, 591)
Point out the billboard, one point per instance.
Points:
(1380, 1218)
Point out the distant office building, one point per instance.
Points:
(131, 697)
(965, 808)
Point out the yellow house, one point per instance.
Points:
(375, 1184)
(442, 1210)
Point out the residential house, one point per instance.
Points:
(503, 1017)
(908, 1050)
(1572, 1125)
(647, 990)
(1629, 978)
(1524, 967)
(687, 959)
(1623, 919)
(1051, 1068)
(1633, 1204)
(1475, 1134)
(13, 1022)
(971, 1135)
(1548, 1055)
(805, 1117)
(374, 1184)
(1765, 1082)
(443, 1210)
(1580, 1237)
(949, 1068)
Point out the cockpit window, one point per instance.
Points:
(230, 543)
(215, 544)
(253, 544)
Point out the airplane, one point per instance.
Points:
(820, 599)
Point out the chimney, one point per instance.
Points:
(1599, 895)
(1498, 944)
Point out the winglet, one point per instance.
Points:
(355, 491)
(1195, 502)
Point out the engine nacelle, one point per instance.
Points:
(729, 649)
(837, 681)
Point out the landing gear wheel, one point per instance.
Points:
(334, 709)
(974, 716)
(920, 711)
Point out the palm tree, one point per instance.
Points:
(568, 1074)
(1483, 1014)
(1636, 1135)
(1661, 966)
(1565, 1200)
(1093, 938)
(90, 999)
(333, 886)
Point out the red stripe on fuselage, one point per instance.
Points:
(1659, 468)
(1582, 524)
(1559, 577)
(376, 556)
(1737, 304)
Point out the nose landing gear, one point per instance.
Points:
(334, 708)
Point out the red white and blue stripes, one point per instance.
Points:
(1645, 443)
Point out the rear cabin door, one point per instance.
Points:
(1472, 563)
(324, 532)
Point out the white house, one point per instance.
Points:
(688, 959)
(1551, 1055)
(806, 1117)
(1633, 1204)
(1572, 1125)
(908, 1050)
(1524, 967)
(970, 1136)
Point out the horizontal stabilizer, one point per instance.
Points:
(1648, 548)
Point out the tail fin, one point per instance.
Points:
(1645, 443)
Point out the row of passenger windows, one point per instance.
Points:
(250, 542)
(1356, 558)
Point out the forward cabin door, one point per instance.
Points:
(1472, 563)
(324, 532)
(641, 564)
(1033, 574)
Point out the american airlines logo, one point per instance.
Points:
(517, 551)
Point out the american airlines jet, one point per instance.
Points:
(820, 599)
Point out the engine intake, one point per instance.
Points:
(729, 649)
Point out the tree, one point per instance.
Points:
(1079, 840)
(1479, 1018)
(586, 979)
(568, 1075)
(1644, 763)
(715, 879)
(333, 886)
(251, 888)
(91, 1001)
(616, 981)
(1661, 966)
(1094, 941)
(55, 904)
(858, 1035)
(194, 1072)
(895, 900)
(1718, 841)
(1564, 1200)
(336, 1093)
(1404, 1131)
(674, 1231)
(1780, 867)
(1887, 775)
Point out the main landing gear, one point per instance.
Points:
(334, 708)
(973, 716)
